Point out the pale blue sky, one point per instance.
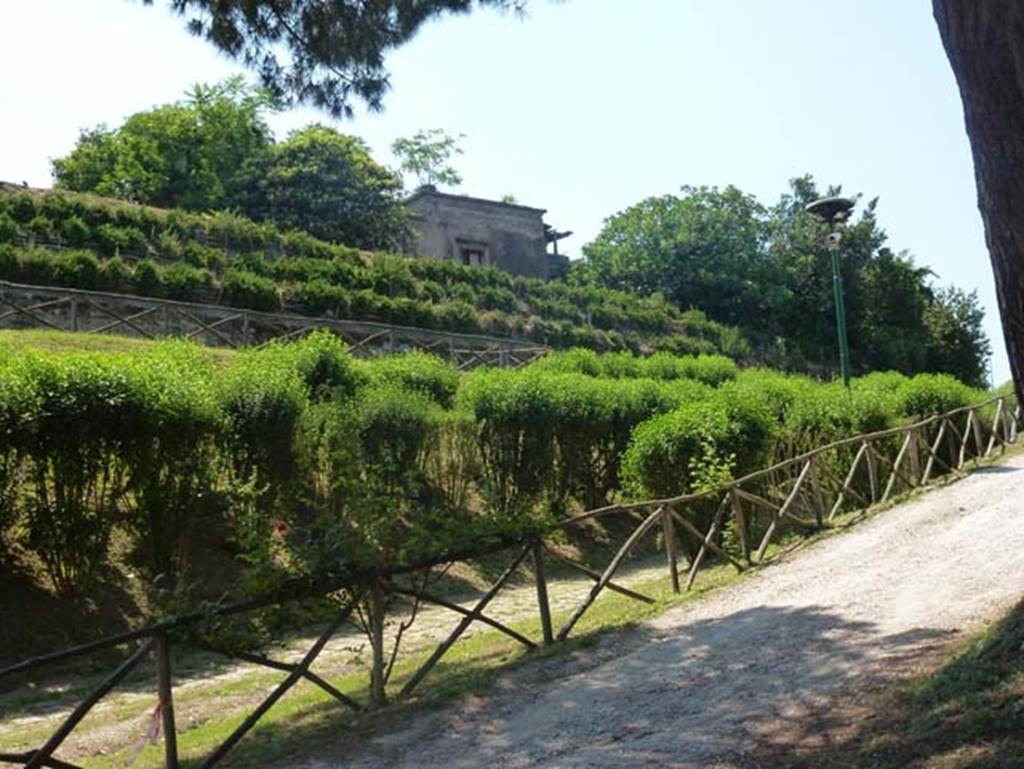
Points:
(586, 106)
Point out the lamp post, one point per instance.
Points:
(834, 211)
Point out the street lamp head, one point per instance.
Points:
(832, 210)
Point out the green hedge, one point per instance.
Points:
(417, 371)
(312, 461)
(709, 369)
(698, 445)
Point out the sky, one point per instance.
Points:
(584, 107)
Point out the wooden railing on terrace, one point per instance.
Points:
(97, 312)
(801, 494)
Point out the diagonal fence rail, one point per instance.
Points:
(97, 312)
(736, 523)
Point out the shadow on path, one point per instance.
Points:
(968, 713)
(700, 694)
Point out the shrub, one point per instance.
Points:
(262, 401)
(516, 439)
(185, 283)
(170, 456)
(831, 412)
(667, 453)
(41, 226)
(248, 290)
(8, 262)
(710, 369)
(390, 275)
(114, 275)
(458, 316)
(926, 395)
(420, 372)
(89, 407)
(113, 240)
(8, 228)
(412, 312)
(148, 278)
(75, 231)
(76, 269)
(318, 297)
(498, 323)
(322, 361)
(496, 299)
(19, 412)
(574, 361)
(35, 266)
(363, 465)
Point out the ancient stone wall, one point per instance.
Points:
(475, 232)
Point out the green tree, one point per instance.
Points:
(327, 184)
(957, 343)
(891, 325)
(426, 156)
(190, 154)
(704, 249)
(798, 255)
(768, 271)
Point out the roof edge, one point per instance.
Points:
(428, 193)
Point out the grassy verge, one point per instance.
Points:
(970, 713)
(64, 342)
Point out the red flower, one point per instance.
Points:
(280, 528)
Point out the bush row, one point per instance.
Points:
(77, 268)
(315, 461)
(222, 257)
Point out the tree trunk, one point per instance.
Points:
(375, 612)
(984, 40)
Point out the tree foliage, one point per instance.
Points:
(327, 184)
(327, 54)
(191, 154)
(768, 272)
(426, 155)
(213, 151)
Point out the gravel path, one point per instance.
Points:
(704, 684)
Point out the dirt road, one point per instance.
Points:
(705, 684)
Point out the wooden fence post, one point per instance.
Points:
(951, 443)
(915, 456)
(979, 446)
(995, 436)
(872, 472)
(894, 476)
(542, 593)
(669, 530)
(963, 440)
(741, 524)
(819, 497)
(165, 692)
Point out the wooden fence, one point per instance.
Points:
(800, 494)
(96, 312)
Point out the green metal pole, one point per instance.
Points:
(844, 347)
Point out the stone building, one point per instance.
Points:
(477, 232)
